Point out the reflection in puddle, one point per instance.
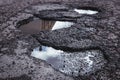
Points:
(46, 53)
(39, 25)
(82, 11)
(62, 24)
(73, 64)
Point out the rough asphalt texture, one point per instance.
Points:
(99, 31)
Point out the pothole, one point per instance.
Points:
(38, 25)
(83, 11)
(71, 63)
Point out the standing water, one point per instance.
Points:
(39, 25)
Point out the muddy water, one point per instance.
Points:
(37, 26)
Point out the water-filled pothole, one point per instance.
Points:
(38, 25)
(71, 63)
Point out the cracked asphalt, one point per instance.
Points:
(100, 31)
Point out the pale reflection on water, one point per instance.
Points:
(82, 11)
(62, 24)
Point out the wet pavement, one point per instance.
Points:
(98, 32)
(72, 64)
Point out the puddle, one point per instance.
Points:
(39, 25)
(73, 64)
(36, 26)
(82, 11)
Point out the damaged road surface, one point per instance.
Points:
(72, 64)
(60, 40)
